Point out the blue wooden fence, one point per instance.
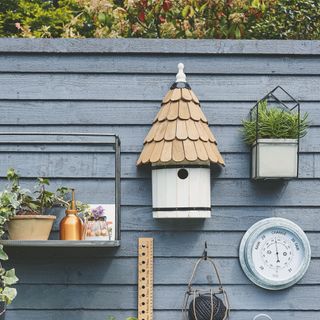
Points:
(116, 86)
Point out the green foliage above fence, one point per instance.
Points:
(220, 19)
(290, 19)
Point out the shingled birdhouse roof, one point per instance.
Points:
(180, 132)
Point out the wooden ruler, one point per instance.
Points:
(145, 279)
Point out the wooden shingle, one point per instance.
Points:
(180, 131)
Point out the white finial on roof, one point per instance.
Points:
(181, 77)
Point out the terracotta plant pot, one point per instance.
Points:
(30, 227)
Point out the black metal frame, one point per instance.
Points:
(108, 140)
(255, 109)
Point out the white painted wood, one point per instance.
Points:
(181, 214)
(170, 191)
(276, 158)
(200, 189)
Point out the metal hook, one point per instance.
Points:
(205, 251)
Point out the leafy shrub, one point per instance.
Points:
(35, 18)
(129, 18)
(274, 123)
(289, 19)
(220, 19)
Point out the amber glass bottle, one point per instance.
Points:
(71, 226)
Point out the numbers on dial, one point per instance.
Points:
(276, 254)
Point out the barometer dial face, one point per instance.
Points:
(275, 253)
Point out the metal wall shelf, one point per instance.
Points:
(60, 243)
(71, 138)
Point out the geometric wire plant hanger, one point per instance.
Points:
(281, 99)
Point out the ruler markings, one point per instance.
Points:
(145, 279)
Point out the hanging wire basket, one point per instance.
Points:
(261, 148)
(205, 304)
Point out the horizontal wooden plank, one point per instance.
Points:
(101, 165)
(159, 64)
(33, 112)
(242, 297)
(225, 192)
(186, 244)
(223, 218)
(229, 138)
(159, 315)
(33, 86)
(167, 244)
(62, 165)
(168, 46)
(124, 271)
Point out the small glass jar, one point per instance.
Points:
(97, 229)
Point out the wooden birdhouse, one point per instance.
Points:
(180, 147)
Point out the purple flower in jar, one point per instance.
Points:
(98, 213)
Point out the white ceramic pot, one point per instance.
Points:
(275, 159)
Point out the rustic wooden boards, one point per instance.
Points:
(180, 132)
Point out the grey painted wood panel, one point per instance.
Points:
(223, 218)
(225, 192)
(229, 138)
(136, 218)
(159, 64)
(150, 87)
(101, 165)
(33, 112)
(168, 46)
(116, 86)
(186, 244)
(123, 271)
(242, 297)
(169, 244)
(159, 315)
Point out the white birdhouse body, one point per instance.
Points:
(180, 148)
(181, 192)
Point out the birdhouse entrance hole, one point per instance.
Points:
(183, 174)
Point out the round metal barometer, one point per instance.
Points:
(275, 253)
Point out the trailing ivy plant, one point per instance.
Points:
(7, 280)
(274, 123)
(9, 203)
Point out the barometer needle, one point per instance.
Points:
(277, 252)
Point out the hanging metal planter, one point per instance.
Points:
(205, 304)
(275, 158)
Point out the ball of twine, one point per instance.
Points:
(206, 305)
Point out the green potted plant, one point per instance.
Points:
(7, 279)
(24, 210)
(273, 132)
